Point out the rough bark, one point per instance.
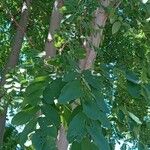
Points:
(55, 20)
(2, 125)
(62, 143)
(14, 57)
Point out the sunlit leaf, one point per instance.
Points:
(116, 26)
(135, 118)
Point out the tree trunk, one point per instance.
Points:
(2, 125)
(94, 41)
(55, 20)
(14, 57)
(62, 143)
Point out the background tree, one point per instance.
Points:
(13, 59)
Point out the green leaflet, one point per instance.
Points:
(43, 142)
(35, 86)
(91, 109)
(99, 98)
(94, 81)
(132, 77)
(146, 92)
(34, 91)
(21, 118)
(30, 127)
(133, 85)
(74, 113)
(116, 26)
(134, 89)
(96, 133)
(71, 91)
(141, 146)
(51, 114)
(50, 144)
(85, 144)
(53, 90)
(76, 130)
(70, 76)
(24, 116)
(135, 118)
(47, 127)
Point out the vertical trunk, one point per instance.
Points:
(2, 125)
(55, 20)
(93, 41)
(14, 56)
(62, 143)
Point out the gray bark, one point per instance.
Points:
(94, 41)
(14, 56)
(2, 125)
(55, 21)
(62, 143)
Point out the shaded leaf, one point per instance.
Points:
(132, 77)
(47, 127)
(42, 142)
(34, 98)
(146, 92)
(34, 91)
(70, 76)
(50, 144)
(53, 90)
(38, 140)
(85, 144)
(91, 109)
(134, 89)
(71, 91)
(51, 114)
(141, 146)
(94, 81)
(35, 87)
(76, 129)
(96, 133)
(30, 127)
(100, 101)
(24, 116)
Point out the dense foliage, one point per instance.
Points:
(99, 107)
